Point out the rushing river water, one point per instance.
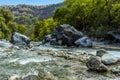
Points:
(23, 62)
(81, 50)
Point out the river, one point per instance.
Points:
(26, 61)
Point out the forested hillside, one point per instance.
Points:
(93, 17)
(28, 14)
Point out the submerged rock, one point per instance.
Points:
(20, 40)
(109, 59)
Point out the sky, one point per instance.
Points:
(29, 2)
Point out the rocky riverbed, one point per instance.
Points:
(51, 63)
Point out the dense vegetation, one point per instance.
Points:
(7, 26)
(43, 28)
(94, 17)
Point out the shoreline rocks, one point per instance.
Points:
(101, 52)
(67, 35)
(101, 60)
(94, 63)
(113, 36)
(20, 39)
(108, 59)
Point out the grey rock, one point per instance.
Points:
(67, 34)
(84, 42)
(20, 40)
(113, 36)
(109, 59)
(94, 63)
(101, 52)
(46, 39)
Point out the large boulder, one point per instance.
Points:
(20, 40)
(108, 59)
(94, 63)
(113, 36)
(67, 34)
(84, 42)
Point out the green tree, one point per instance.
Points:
(7, 15)
(21, 28)
(43, 28)
(13, 27)
(4, 30)
(90, 16)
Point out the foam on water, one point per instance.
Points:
(26, 61)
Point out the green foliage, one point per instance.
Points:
(89, 15)
(7, 15)
(7, 26)
(1, 35)
(12, 26)
(4, 30)
(43, 28)
(60, 14)
(21, 28)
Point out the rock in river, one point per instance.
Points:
(84, 42)
(94, 63)
(109, 59)
(67, 35)
(20, 40)
(101, 52)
